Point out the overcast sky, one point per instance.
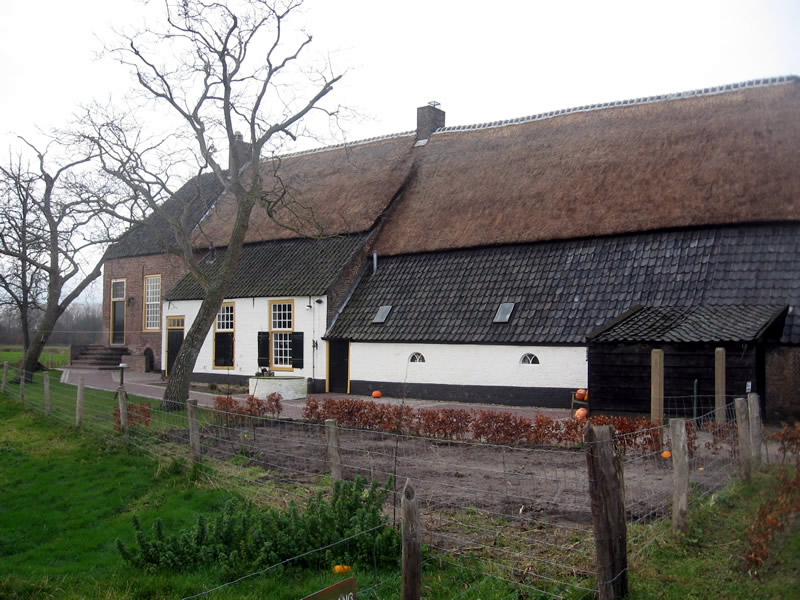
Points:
(483, 61)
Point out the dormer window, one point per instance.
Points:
(383, 312)
(503, 313)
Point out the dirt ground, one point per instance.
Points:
(520, 483)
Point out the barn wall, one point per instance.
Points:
(133, 270)
(469, 372)
(619, 375)
(783, 383)
(251, 315)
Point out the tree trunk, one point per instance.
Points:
(177, 392)
(39, 341)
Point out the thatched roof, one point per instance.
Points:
(332, 191)
(715, 157)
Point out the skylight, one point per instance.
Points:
(503, 313)
(382, 313)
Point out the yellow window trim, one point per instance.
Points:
(272, 339)
(144, 303)
(173, 328)
(232, 331)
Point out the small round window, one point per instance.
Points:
(529, 359)
(416, 357)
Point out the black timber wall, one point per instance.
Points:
(619, 374)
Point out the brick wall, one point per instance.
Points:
(134, 270)
(783, 383)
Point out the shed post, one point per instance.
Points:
(657, 386)
(194, 429)
(122, 398)
(756, 429)
(743, 433)
(412, 544)
(606, 489)
(79, 404)
(719, 385)
(334, 450)
(46, 382)
(680, 476)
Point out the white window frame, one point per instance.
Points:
(152, 304)
(281, 327)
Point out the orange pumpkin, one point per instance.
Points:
(341, 569)
(581, 414)
(666, 454)
(582, 395)
(376, 394)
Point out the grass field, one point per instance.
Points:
(67, 496)
(52, 357)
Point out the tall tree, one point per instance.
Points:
(217, 67)
(47, 230)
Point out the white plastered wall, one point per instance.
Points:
(251, 315)
(470, 364)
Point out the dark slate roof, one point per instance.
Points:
(565, 289)
(297, 267)
(190, 203)
(735, 323)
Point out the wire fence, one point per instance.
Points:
(523, 512)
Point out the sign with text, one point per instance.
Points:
(344, 590)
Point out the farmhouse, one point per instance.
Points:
(471, 262)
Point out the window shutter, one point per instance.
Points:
(297, 350)
(223, 349)
(263, 349)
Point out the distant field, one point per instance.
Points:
(52, 357)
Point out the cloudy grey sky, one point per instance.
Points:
(483, 61)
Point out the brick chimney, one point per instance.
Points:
(429, 119)
(240, 149)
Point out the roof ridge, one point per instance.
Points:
(369, 140)
(708, 91)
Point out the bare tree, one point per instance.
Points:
(47, 229)
(235, 67)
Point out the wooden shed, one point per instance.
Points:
(619, 355)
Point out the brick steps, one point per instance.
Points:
(98, 355)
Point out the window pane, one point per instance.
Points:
(282, 349)
(225, 318)
(118, 290)
(282, 315)
(152, 293)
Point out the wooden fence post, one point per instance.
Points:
(719, 386)
(743, 433)
(79, 404)
(5, 376)
(334, 451)
(122, 398)
(46, 382)
(412, 544)
(22, 386)
(680, 476)
(756, 429)
(657, 386)
(194, 429)
(606, 488)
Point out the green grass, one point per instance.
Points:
(52, 357)
(708, 562)
(65, 497)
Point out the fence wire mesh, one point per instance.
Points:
(523, 512)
